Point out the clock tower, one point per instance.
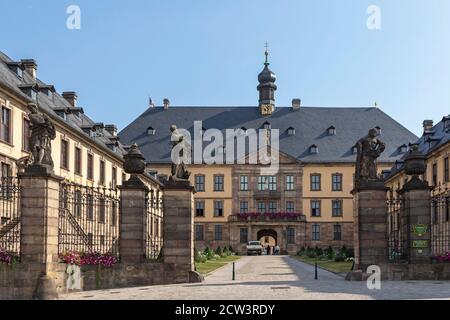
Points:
(267, 88)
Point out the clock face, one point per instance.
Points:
(266, 109)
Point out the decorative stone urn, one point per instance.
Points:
(134, 164)
(134, 161)
(415, 165)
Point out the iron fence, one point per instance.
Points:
(440, 221)
(154, 225)
(10, 215)
(88, 219)
(397, 244)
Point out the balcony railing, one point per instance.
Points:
(267, 216)
(267, 194)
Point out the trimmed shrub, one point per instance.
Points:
(218, 251)
(318, 251)
(197, 256)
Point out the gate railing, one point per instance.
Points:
(88, 219)
(10, 215)
(440, 221)
(397, 244)
(154, 225)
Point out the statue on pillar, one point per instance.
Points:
(180, 150)
(369, 150)
(42, 134)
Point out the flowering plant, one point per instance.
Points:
(443, 257)
(270, 215)
(7, 257)
(106, 260)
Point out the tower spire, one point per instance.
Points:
(266, 45)
(267, 86)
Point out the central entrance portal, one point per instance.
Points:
(268, 237)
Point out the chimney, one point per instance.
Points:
(166, 103)
(427, 125)
(112, 129)
(30, 67)
(71, 97)
(296, 104)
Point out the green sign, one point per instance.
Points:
(420, 244)
(420, 229)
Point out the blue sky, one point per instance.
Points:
(209, 52)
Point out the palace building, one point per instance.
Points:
(307, 203)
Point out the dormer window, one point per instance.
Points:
(62, 114)
(267, 125)
(332, 131)
(29, 90)
(403, 148)
(47, 90)
(354, 149)
(313, 149)
(291, 131)
(151, 131)
(244, 129)
(398, 164)
(446, 121)
(17, 68)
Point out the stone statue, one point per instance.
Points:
(369, 150)
(178, 172)
(42, 133)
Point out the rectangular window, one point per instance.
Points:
(316, 232)
(218, 208)
(272, 183)
(243, 183)
(102, 172)
(435, 175)
(113, 213)
(337, 232)
(199, 232)
(200, 183)
(90, 207)
(290, 233)
(272, 206)
(267, 183)
(26, 135)
(114, 177)
(261, 207)
(5, 125)
(77, 161)
(243, 235)
(290, 206)
(243, 207)
(218, 183)
(336, 182)
(6, 170)
(315, 182)
(446, 170)
(315, 208)
(336, 208)
(290, 185)
(199, 208)
(102, 210)
(90, 166)
(218, 232)
(65, 154)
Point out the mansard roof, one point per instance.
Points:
(311, 124)
(50, 105)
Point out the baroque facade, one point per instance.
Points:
(308, 202)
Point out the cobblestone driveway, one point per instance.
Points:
(275, 277)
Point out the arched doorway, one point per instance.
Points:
(268, 237)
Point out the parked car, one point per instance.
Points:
(254, 247)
